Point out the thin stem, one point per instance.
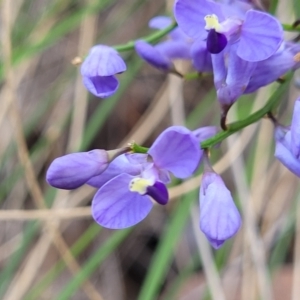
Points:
(291, 27)
(236, 126)
(152, 38)
(138, 149)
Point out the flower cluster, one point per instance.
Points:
(245, 50)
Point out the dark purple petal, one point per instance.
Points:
(295, 130)
(118, 166)
(158, 192)
(219, 217)
(190, 14)
(201, 57)
(216, 42)
(261, 36)
(115, 207)
(177, 150)
(73, 170)
(153, 56)
(102, 61)
(101, 86)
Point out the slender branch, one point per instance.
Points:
(236, 126)
(152, 38)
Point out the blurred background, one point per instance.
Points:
(50, 248)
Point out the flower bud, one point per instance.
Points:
(73, 170)
(219, 217)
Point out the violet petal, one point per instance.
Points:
(102, 61)
(115, 207)
(73, 170)
(190, 14)
(201, 57)
(261, 36)
(101, 86)
(295, 130)
(219, 217)
(158, 192)
(118, 166)
(177, 150)
(216, 42)
(153, 56)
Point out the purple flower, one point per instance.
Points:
(295, 130)
(258, 35)
(125, 199)
(162, 54)
(219, 217)
(99, 69)
(283, 151)
(274, 67)
(287, 148)
(73, 170)
(232, 78)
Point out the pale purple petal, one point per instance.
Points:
(115, 207)
(190, 14)
(219, 217)
(261, 36)
(102, 61)
(174, 49)
(153, 56)
(284, 155)
(118, 166)
(137, 158)
(160, 22)
(238, 76)
(101, 86)
(271, 69)
(295, 130)
(177, 150)
(219, 68)
(206, 132)
(73, 170)
(201, 57)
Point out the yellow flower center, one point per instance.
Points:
(212, 22)
(139, 185)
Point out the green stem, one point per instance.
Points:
(152, 38)
(292, 28)
(236, 126)
(138, 149)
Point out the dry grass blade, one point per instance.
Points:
(34, 189)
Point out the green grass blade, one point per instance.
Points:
(79, 246)
(93, 263)
(165, 250)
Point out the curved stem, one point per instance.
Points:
(152, 38)
(236, 126)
